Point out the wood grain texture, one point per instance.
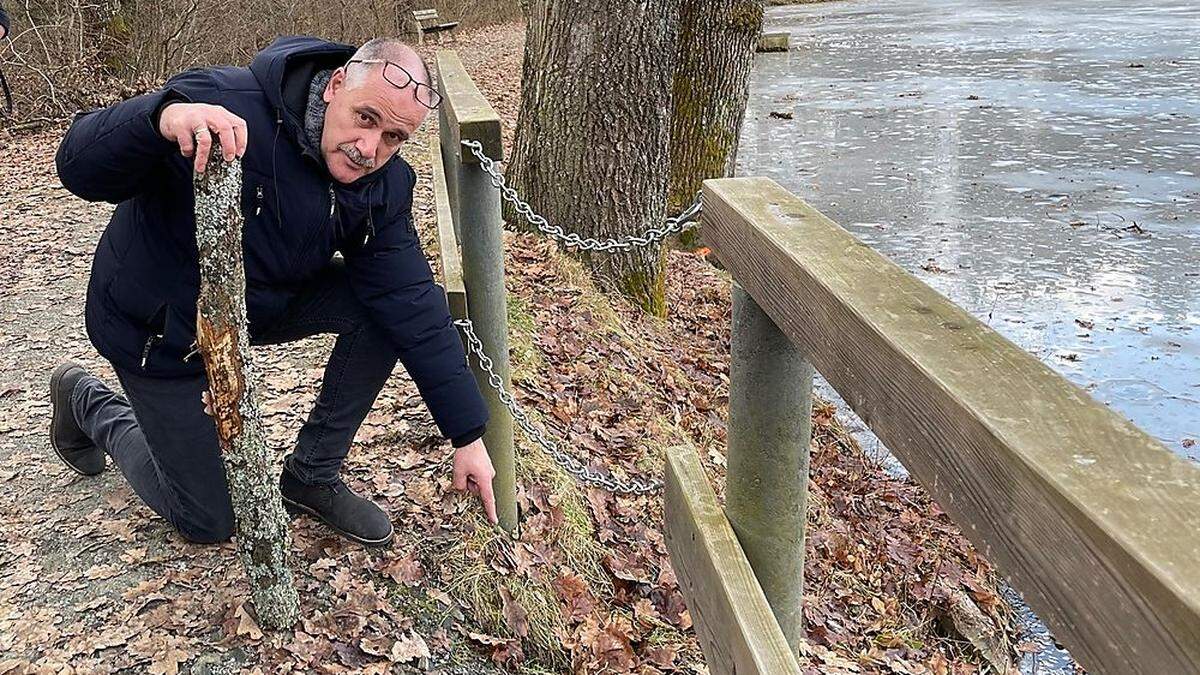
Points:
(735, 625)
(450, 256)
(1095, 522)
(468, 112)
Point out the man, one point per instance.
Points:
(5, 24)
(318, 127)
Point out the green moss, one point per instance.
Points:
(647, 293)
(746, 16)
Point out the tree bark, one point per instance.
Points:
(717, 39)
(222, 335)
(591, 147)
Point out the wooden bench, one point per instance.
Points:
(429, 22)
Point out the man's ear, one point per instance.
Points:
(336, 82)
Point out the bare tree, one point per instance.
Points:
(69, 55)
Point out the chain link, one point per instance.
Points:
(568, 462)
(673, 225)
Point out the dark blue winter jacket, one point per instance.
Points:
(141, 302)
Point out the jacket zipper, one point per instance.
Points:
(146, 349)
(258, 195)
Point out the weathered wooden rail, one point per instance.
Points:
(1096, 523)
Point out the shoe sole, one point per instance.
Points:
(297, 507)
(55, 406)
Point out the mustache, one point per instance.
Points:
(357, 157)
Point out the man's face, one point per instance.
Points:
(365, 125)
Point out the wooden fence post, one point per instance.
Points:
(223, 338)
(770, 408)
(477, 218)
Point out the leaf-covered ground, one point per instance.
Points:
(92, 581)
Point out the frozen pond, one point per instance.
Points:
(1037, 162)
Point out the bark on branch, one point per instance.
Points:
(223, 338)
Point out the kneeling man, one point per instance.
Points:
(318, 127)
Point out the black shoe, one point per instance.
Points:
(73, 446)
(337, 506)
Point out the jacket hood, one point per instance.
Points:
(284, 70)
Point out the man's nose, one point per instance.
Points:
(368, 144)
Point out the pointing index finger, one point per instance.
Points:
(489, 502)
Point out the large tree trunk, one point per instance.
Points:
(712, 81)
(222, 336)
(591, 146)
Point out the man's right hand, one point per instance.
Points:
(192, 125)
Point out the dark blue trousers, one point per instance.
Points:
(166, 446)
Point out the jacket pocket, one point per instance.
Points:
(144, 310)
(132, 299)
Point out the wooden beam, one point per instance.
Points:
(731, 616)
(452, 279)
(773, 42)
(468, 112)
(476, 206)
(1093, 520)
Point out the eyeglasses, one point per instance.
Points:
(400, 78)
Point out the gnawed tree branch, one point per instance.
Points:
(223, 338)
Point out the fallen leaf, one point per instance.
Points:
(410, 646)
(246, 625)
(514, 614)
(406, 570)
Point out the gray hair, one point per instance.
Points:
(388, 49)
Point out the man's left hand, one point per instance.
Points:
(473, 471)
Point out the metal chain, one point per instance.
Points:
(673, 225)
(569, 463)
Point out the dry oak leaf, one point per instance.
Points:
(410, 646)
(244, 624)
(167, 661)
(577, 599)
(515, 615)
(406, 570)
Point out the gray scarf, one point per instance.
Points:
(314, 112)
